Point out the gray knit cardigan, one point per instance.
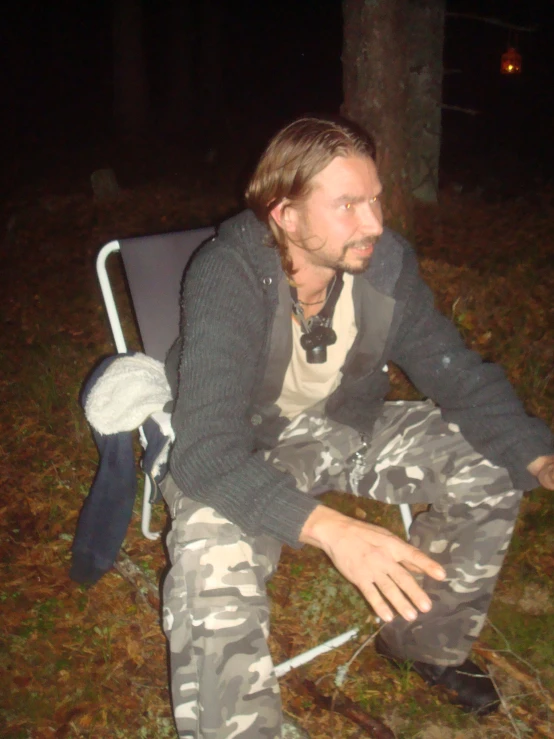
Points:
(234, 349)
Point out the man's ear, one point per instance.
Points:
(285, 216)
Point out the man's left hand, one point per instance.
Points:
(543, 469)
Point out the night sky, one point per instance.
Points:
(278, 60)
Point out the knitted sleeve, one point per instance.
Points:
(475, 395)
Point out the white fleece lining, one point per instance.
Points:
(129, 391)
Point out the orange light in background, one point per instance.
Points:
(510, 62)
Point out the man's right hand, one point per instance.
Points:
(373, 559)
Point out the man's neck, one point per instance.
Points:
(311, 288)
(312, 282)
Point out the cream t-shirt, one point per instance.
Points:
(306, 384)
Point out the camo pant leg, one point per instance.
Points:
(215, 608)
(415, 457)
(216, 619)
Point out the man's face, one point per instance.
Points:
(337, 225)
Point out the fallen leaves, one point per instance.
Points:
(80, 662)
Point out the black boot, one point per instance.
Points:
(471, 688)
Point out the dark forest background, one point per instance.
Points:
(222, 76)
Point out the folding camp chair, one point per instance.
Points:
(154, 267)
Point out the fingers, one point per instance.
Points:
(543, 469)
(377, 602)
(416, 561)
(546, 476)
(410, 589)
(398, 590)
(412, 568)
(390, 584)
(394, 595)
(377, 562)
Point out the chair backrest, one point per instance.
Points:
(154, 267)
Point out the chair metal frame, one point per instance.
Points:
(115, 247)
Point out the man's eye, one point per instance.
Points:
(374, 200)
(348, 206)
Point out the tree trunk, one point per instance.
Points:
(375, 78)
(426, 37)
(392, 62)
(130, 87)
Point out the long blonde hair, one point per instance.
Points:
(293, 157)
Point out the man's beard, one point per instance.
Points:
(356, 269)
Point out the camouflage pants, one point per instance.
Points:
(216, 613)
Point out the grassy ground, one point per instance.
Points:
(79, 662)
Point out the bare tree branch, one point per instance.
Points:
(459, 108)
(493, 21)
(146, 588)
(341, 703)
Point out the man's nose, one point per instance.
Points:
(371, 221)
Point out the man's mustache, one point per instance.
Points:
(363, 243)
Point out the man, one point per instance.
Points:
(289, 319)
